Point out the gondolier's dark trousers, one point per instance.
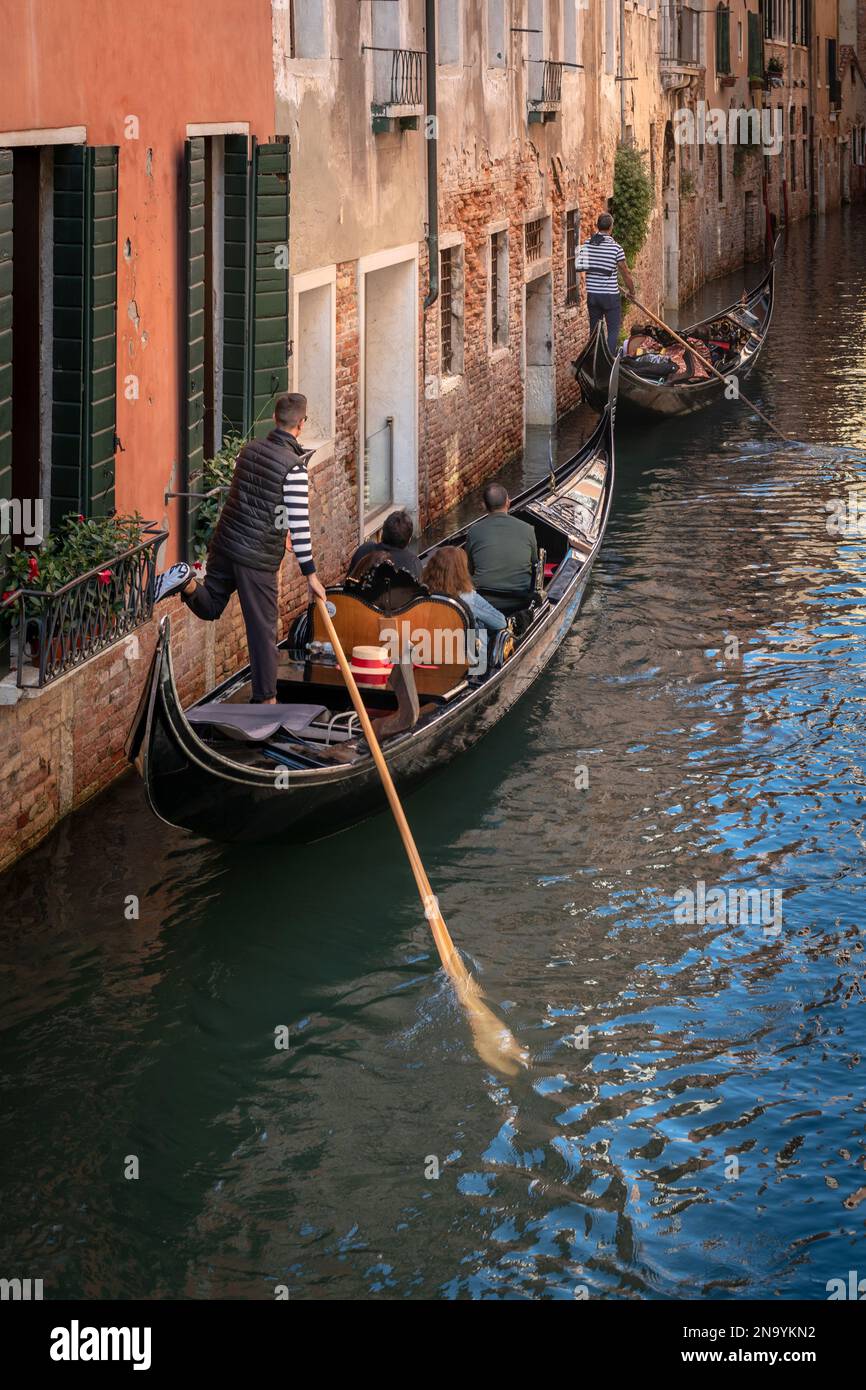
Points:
(609, 308)
(257, 591)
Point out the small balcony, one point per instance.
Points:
(56, 626)
(399, 88)
(546, 101)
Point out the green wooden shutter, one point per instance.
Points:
(192, 430)
(5, 373)
(235, 271)
(268, 310)
(85, 331)
(756, 47)
(5, 333)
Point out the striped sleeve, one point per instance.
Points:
(296, 498)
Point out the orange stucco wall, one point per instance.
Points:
(94, 63)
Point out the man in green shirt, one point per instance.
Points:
(502, 551)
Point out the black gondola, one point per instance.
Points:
(313, 774)
(749, 321)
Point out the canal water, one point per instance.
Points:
(693, 1121)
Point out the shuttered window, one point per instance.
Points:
(723, 39)
(236, 250)
(756, 47)
(85, 331)
(268, 374)
(254, 197)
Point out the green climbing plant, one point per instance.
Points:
(632, 199)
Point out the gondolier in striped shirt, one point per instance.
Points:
(602, 260)
(268, 498)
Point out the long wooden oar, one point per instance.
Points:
(723, 379)
(494, 1043)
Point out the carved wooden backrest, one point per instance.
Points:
(436, 629)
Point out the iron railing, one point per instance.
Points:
(65, 627)
(551, 81)
(407, 75)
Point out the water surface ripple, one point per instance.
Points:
(694, 1120)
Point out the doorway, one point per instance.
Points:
(389, 341)
(540, 399)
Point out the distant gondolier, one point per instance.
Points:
(268, 497)
(602, 260)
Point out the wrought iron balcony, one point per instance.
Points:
(544, 105)
(399, 87)
(65, 627)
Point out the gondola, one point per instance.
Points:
(748, 321)
(220, 770)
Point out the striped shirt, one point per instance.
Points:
(604, 259)
(296, 500)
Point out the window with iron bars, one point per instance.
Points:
(445, 317)
(534, 239)
(572, 236)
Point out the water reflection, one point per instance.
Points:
(693, 1122)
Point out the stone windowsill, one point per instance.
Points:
(447, 384)
(499, 354)
(534, 269)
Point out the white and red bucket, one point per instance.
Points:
(370, 667)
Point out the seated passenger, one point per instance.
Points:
(363, 564)
(447, 572)
(502, 551)
(396, 535)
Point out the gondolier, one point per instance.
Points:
(268, 497)
(602, 261)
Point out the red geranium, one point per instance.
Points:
(32, 568)
(104, 576)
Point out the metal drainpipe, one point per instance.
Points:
(430, 135)
(622, 71)
(432, 152)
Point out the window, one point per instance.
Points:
(451, 310)
(569, 32)
(833, 81)
(534, 239)
(58, 329)
(307, 28)
(739, 38)
(609, 38)
(499, 290)
(449, 31)
(756, 47)
(236, 294)
(497, 34)
(313, 360)
(572, 239)
(723, 39)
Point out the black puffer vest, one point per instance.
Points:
(249, 530)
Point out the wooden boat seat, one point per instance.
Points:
(437, 629)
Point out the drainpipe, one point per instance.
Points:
(432, 151)
(622, 72)
(430, 135)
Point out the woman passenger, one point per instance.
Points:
(447, 572)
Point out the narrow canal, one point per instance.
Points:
(708, 1140)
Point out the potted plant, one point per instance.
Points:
(775, 71)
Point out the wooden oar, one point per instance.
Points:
(723, 379)
(494, 1043)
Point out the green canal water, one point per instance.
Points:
(693, 1121)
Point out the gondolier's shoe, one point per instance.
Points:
(174, 579)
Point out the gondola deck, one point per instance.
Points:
(203, 780)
